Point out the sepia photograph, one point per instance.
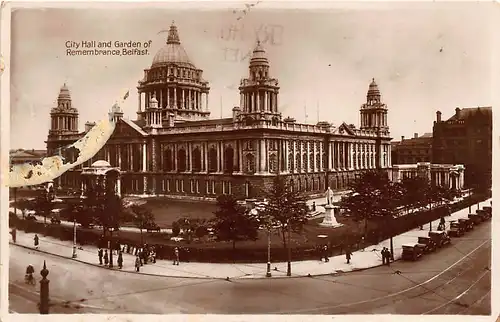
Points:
(252, 158)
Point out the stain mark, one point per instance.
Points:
(29, 175)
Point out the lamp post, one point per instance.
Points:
(74, 238)
(289, 264)
(268, 272)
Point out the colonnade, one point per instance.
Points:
(185, 98)
(266, 101)
(67, 123)
(374, 119)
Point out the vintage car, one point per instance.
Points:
(441, 238)
(468, 223)
(475, 218)
(55, 220)
(412, 251)
(483, 213)
(488, 209)
(456, 229)
(429, 243)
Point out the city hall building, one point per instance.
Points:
(174, 148)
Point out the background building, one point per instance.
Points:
(175, 149)
(412, 151)
(465, 138)
(21, 156)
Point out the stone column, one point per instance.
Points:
(144, 152)
(218, 169)
(205, 156)
(168, 97)
(175, 98)
(190, 156)
(240, 155)
(222, 159)
(286, 168)
(241, 101)
(276, 102)
(262, 156)
(206, 101)
(266, 102)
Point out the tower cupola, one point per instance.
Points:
(63, 117)
(374, 112)
(259, 92)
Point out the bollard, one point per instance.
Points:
(44, 291)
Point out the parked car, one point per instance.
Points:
(441, 238)
(475, 218)
(468, 223)
(483, 213)
(30, 217)
(412, 251)
(488, 209)
(456, 229)
(429, 243)
(54, 220)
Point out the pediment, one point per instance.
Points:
(127, 129)
(344, 129)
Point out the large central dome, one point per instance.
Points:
(172, 52)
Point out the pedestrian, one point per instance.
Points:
(14, 234)
(137, 263)
(176, 258)
(384, 255)
(106, 258)
(325, 253)
(100, 254)
(128, 248)
(153, 255)
(35, 240)
(141, 256)
(120, 260)
(314, 206)
(348, 255)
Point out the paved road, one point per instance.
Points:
(454, 280)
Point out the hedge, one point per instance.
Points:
(256, 254)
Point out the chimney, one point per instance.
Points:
(457, 111)
(438, 116)
(415, 135)
(402, 138)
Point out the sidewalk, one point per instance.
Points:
(360, 259)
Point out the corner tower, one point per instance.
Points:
(374, 112)
(259, 92)
(63, 117)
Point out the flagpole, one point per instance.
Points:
(221, 106)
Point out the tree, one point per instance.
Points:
(367, 198)
(414, 191)
(232, 222)
(176, 229)
(285, 208)
(43, 205)
(142, 218)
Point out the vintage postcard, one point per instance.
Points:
(248, 158)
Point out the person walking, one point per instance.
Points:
(120, 260)
(384, 255)
(137, 263)
(176, 254)
(100, 254)
(325, 253)
(14, 234)
(36, 240)
(348, 256)
(106, 258)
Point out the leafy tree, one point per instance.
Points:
(414, 191)
(142, 218)
(232, 222)
(368, 198)
(43, 206)
(285, 208)
(176, 229)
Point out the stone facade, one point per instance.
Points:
(447, 175)
(411, 151)
(175, 149)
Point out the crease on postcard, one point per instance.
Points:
(52, 167)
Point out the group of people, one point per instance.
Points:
(143, 255)
(386, 256)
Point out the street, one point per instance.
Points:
(453, 280)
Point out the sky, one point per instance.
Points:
(425, 57)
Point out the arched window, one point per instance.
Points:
(250, 163)
(212, 160)
(228, 159)
(297, 162)
(318, 161)
(311, 161)
(273, 164)
(304, 160)
(291, 167)
(197, 160)
(167, 160)
(181, 160)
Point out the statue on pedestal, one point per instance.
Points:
(329, 196)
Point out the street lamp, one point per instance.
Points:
(74, 238)
(268, 272)
(289, 264)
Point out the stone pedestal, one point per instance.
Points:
(330, 220)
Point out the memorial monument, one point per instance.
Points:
(330, 211)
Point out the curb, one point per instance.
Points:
(198, 277)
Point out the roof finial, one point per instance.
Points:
(373, 79)
(173, 36)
